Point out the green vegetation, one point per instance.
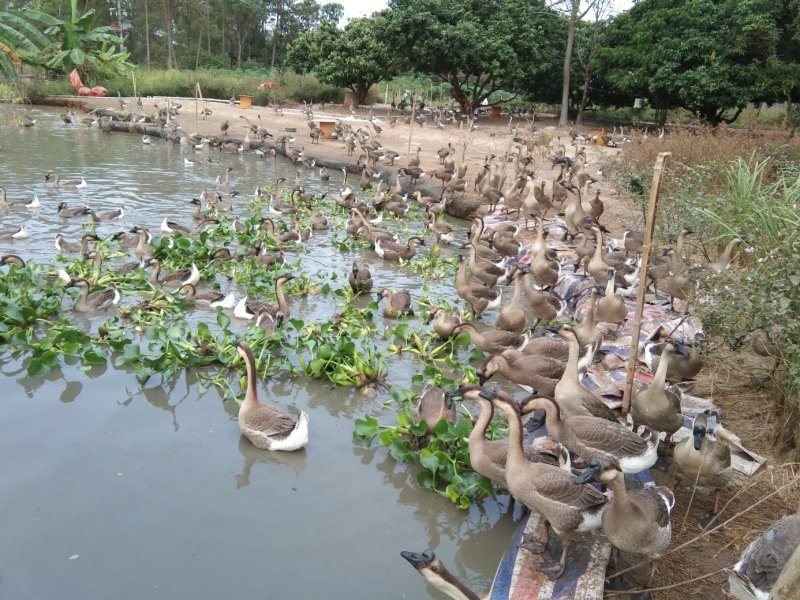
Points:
(710, 186)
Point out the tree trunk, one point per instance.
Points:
(584, 97)
(208, 24)
(146, 34)
(573, 20)
(275, 32)
(172, 63)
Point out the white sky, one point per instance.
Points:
(363, 8)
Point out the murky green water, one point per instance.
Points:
(114, 491)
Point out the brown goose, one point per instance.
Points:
(704, 459)
(656, 407)
(634, 521)
(567, 505)
(389, 250)
(589, 336)
(266, 425)
(93, 301)
(546, 271)
(478, 296)
(63, 245)
(435, 573)
(761, 563)
(483, 251)
(543, 304)
(397, 303)
(552, 347)
(511, 316)
(434, 405)
(442, 230)
(572, 397)
(212, 299)
(633, 241)
(143, 242)
(590, 437)
(596, 266)
(539, 373)
(443, 323)
(492, 342)
(488, 457)
(683, 364)
(267, 321)
(65, 212)
(174, 278)
(487, 272)
(584, 250)
(360, 278)
(249, 309)
(13, 259)
(611, 308)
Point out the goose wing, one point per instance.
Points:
(101, 298)
(608, 436)
(763, 560)
(558, 485)
(270, 421)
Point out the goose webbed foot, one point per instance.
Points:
(552, 569)
(709, 521)
(661, 464)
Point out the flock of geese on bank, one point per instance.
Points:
(587, 431)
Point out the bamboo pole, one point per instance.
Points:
(649, 228)
(411, 125)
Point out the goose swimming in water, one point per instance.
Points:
(66, 183)
(93, 301)
(266, 425)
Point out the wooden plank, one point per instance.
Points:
(650, 225)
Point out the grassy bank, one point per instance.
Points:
(735, 185)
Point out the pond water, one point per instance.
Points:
(114, 490)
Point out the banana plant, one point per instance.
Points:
(19, 40)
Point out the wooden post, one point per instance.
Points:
(411, 125)
(649, 228)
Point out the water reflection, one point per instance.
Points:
(252, 455)
(71, 391)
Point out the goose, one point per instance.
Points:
(444, 152)
(94, 301)
(142, 247)
(319, 222)
(591, 437)
(324, 174)
(704, 459)
(488, 457)
(633, 241)
(544, 305)
(635, 521)
(761, 563)
(533, 371)
(547, 272)
(268, 322)
(18, 203)
(434, 405)
(435, 573)
(589, 336)
(360, 278)
(248, 309)
(212, 299)
(596, 266)
(110, 215)
(67, 183)
(171, 227)
(440, 229)
(683, 364)
(656, 407)
(476, 234)
(724, 261)
(14, 233)
(565, 504)
(397, 303)
(13, 260)
(611, 308)
(123, 269)
(504, 243)
(487, 272)
(145, 139)
(65, 212)
(269, 258)
(572, 397)
(265, 425)
(511, 316)
(175, 278)
(443, 323)
(389, 250)
(493, 342)
(478, 296)
(551, 347)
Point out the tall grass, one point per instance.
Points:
(749, 189)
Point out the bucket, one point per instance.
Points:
(245, 101)
(326, 129)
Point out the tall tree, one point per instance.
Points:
(587, 44)
(477, 47)
(708, 56)
(356, 57)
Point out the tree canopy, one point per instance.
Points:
(707, 56)
(356, 57)
(477, 47)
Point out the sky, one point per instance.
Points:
(364, 8)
